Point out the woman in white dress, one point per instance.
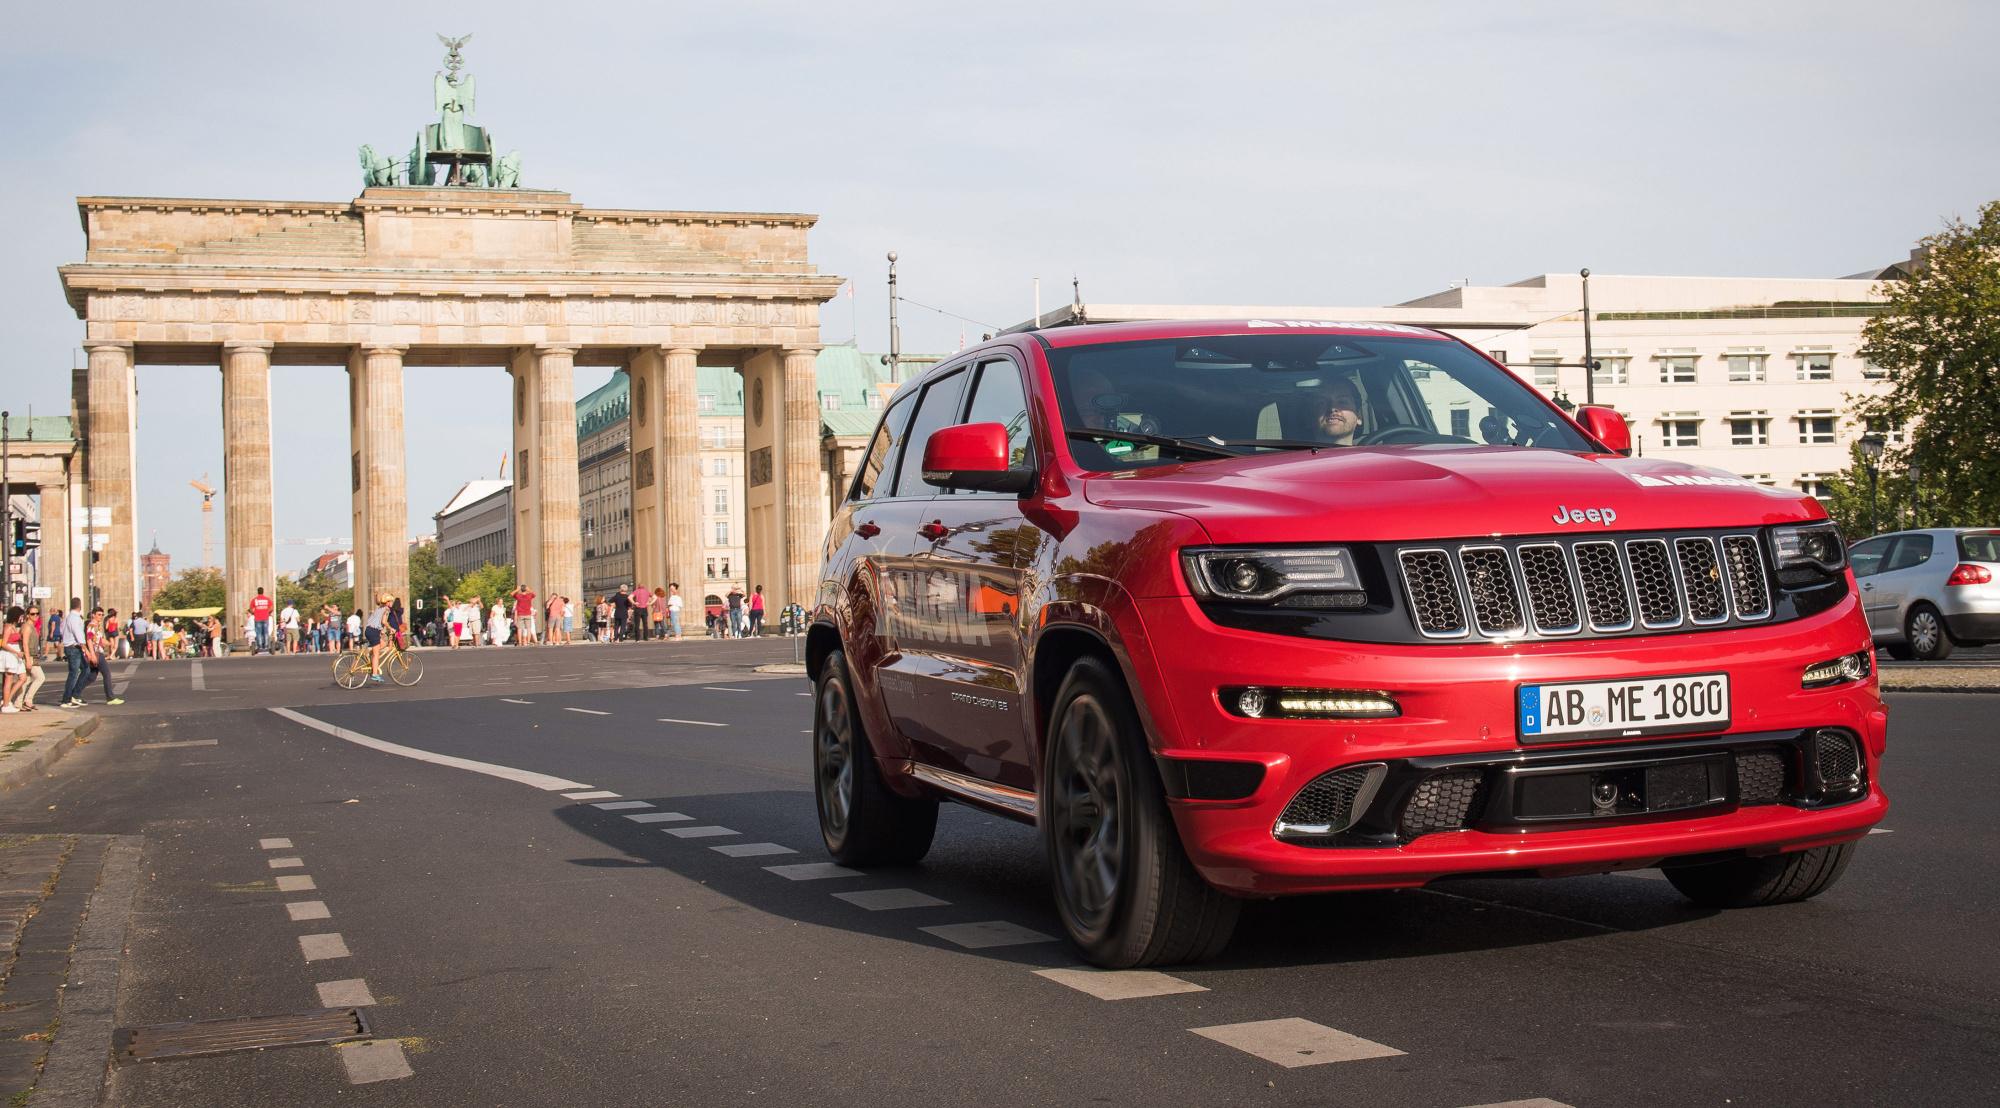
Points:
(496, 621)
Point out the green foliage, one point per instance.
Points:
(487, 582)
(194, 588)
(1895, 506)
(1939, 340)
(430, 581)
(312, 592)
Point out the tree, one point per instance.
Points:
(1939, 340)
(194, 588)
(313, 591)
(1892, 507)
(489, 582)
(430, 580)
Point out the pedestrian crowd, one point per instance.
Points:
(86, 642)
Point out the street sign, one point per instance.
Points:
(100, 517)
(42, 592)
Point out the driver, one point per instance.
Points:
(1337, 414)
(1098, 403)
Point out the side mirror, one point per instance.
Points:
(1606, 426)
(973, 456)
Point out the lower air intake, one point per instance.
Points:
(1839, 759)
(1760, 777)
(1332, 801)
(1446, 802)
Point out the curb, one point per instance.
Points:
(79, 1061)
(1886, 689)
(47, 751)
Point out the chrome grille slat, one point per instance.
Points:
(1604, 591)
(1551, 596)
(1433, 592)
(1749, 589)
(1701, 579)
(1653, 580)
(1489, 581)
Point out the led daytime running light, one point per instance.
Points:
(1264, 702)
(1838, 671)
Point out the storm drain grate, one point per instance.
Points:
(162, 1041)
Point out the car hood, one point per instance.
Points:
(1403, 493)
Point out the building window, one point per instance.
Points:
(1498, 356)
(722, 501)
(1679, 430)
(1873, 372)
(1759, 479)
(829, 402)
(1892, 431)
(1614, 368)
(722, 534)
(1677, 367)
(1813, 484)
(875, 400)
(720, 467)
(725, 567)
(1815, 364)
(1746, 363)
(704, 402)
(1461, 422)
(711, 569)
(1749, 429)
(1816, 428)
(721, 437)
(1543, 365)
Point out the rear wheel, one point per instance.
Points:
(350, 671)
(1126, 891)
(1755, 882)
(861, 819)
(1923, 631)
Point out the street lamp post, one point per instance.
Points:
(1871, 453)
(1589, 360)
(895, 333)
(1916, 495)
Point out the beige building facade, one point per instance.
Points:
(402, 278)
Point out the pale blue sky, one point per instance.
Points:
(1299, 153)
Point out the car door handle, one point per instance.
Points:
(868, 530)
(934, 530)
(1869, 587)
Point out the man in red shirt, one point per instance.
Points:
(260, 614)
(524, 616)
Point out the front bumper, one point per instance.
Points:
(1458, 717)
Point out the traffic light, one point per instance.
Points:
(27, 536)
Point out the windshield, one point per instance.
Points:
(1247, 394)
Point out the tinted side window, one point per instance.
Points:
(1979, 546)
(998, 399)
(938, 408)
(1911, 550)
(1866, 557)
(882, 451)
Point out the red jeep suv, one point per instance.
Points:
(1246, 608)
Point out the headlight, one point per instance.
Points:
(1839, 671)
(1808, 551)
(1264, 576)
(1266, 702)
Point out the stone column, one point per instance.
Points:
(680, 471)
(643, 374)
(248, 543)
(52, 569)
(381, 502)
(113, 456)
(805, 507)
(561, 537)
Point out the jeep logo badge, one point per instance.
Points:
(1566, 514)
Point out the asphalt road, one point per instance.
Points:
(529, 949)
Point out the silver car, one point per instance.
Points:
(1927, 591)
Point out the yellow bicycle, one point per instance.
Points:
(350, 670)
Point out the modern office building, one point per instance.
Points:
(474, 529)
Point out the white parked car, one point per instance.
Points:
(1927, 591)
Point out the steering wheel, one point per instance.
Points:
(1401, 433)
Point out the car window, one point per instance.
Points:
(998, 398)
(1979, 546)
(1866, 557)
(1911, 550)
(937, 408)
(882, 451)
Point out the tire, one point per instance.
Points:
(863, 822)
(1124, 887)
(1755, 882)
(403, 668)
(350, 671)
(1924, 634)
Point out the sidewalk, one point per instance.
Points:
(45, 883)
(30, 742)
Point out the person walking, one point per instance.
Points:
(621, 613)
(735, 599)
(214, 637)
(74, 632)
(602, 618)
(642, 612)
(351, 640)
(656, 612)
(524, 615)
(288, 622)
(97, 648)
(260, 617)
(13, 665)
(757, 612)
(674, 604)
(554, 614)
(31, 654)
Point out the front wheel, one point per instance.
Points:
(862, 820)
(403, 668)
(350, 671)
(1125, 889)
(1755, 882)
(1923, 633)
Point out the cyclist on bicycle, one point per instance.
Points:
(375, 634)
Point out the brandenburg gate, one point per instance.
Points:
(413, 276)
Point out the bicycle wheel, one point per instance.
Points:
(350, 670)
(404, 668)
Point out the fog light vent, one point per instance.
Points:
(1332, 801)
(1839, 759)
(1446, 802)
(1760, 777)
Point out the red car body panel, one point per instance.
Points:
(1096, 560)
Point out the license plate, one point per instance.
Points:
(1624, 709)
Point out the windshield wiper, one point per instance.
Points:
(1281, 444)
(1190, 446)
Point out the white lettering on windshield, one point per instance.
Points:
(1393, 327)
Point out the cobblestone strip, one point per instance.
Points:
(45, 885)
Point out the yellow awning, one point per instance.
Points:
(186, 613)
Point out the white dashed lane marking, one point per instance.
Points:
(1538, 1102)
(1295, 1042)
(752, 850)
(307, 909)
(374, 1060)
(1880, 831)
(719, 688)
(709, 831)
(695, 722)
(1120, 984)
(978, 936)
(522, 776)
(594, 794)
(511, 700)
(587, 711)
(883, 900)
(812, 871)
(183, 742)
(658, 817)
(615, 805)
(296, 883)
(286, 863)
(274, 844)
(318, 948)
(195, 678)
(352, 993)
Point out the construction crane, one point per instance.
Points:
(207, 522)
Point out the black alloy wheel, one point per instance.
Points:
(1125, 889)
(862, 820)
(1924, 634)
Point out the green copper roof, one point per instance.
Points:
(41, 428)
(603, 407)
